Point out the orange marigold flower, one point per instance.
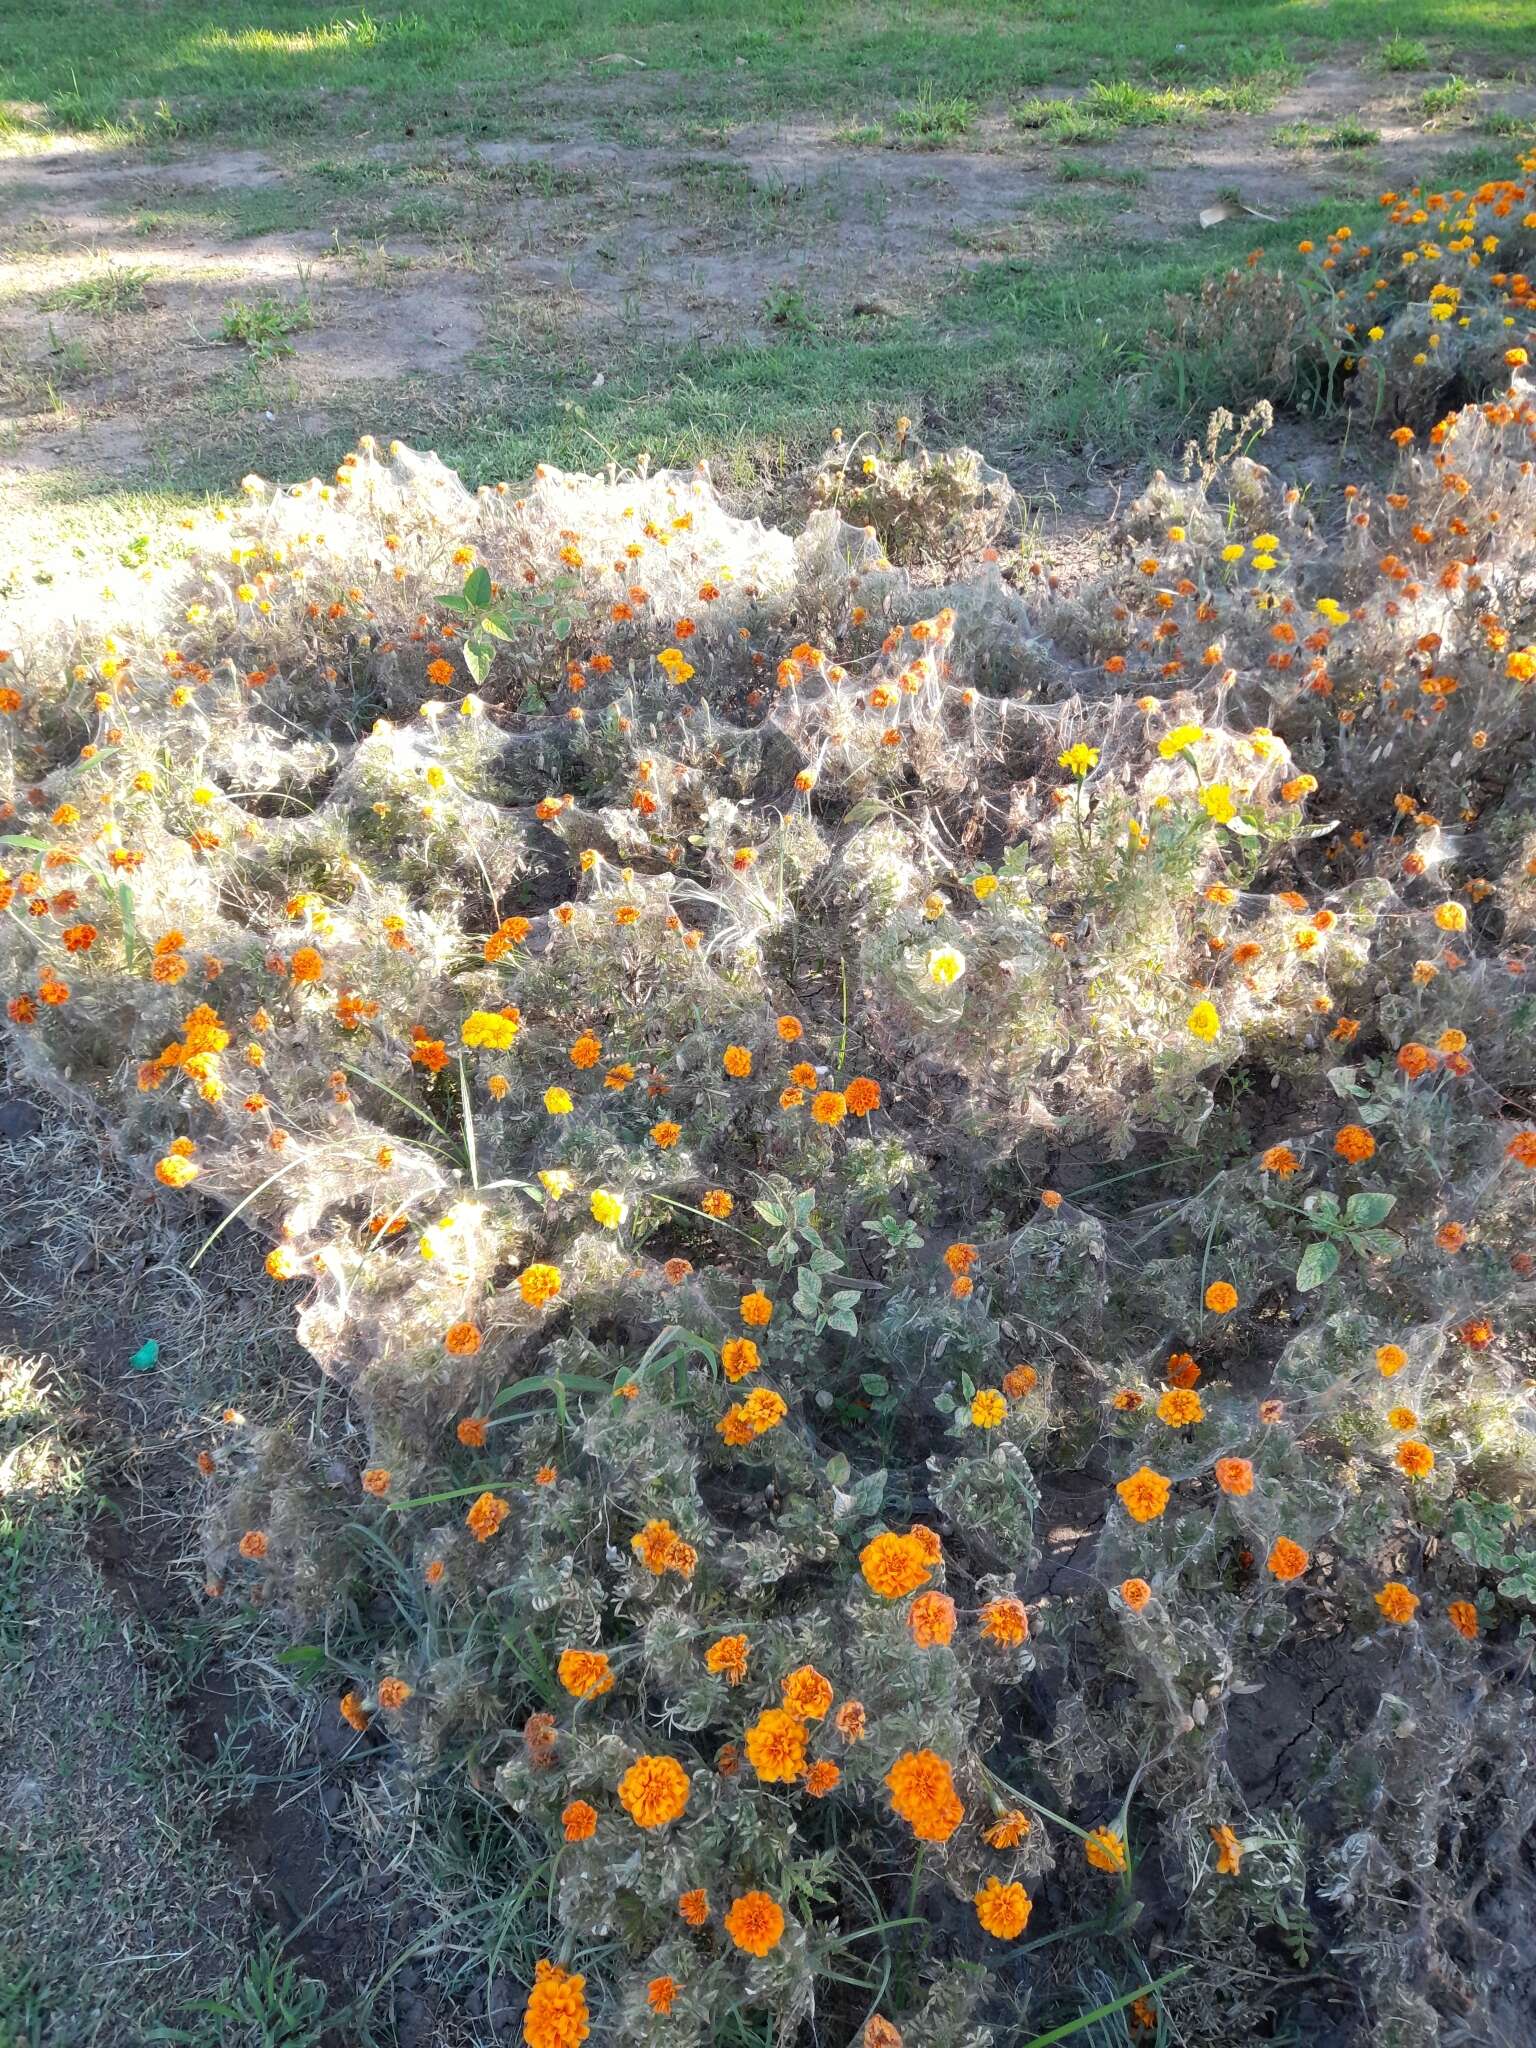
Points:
(352, 1711)
(1416, 1459)
(851, 1721)
(1234, 1475)
(1105, 1851)
(789, 1029)
(393, 1694)
(931, 1619)
(253, 1544)
(1020, 1380)
(739, 1357)
(654, 1790)
(376, 1481)
(1522, 1149)
(579, 1821)
(1008, 1830)
(1221, 1297)
(960, 1258)
(471, 1433)
(1002, 1909)
(1180, 1408)
(1145, 1494)
(737, 1062)
(1287, 1560)
(486, 1516)
(922, 1789)
(829, 1107)
(1004, 1621)
(1390, 1359)
(307, 965)
(462, 1340)
(1229, 1850)
(1135, 1593)
(661, 1994)
(658, 1547)
(1415, 1060)
(775, 1746)
(556, 2013)
(665, 1135)
(807, 1694)
(585, 1674)
(1354, 1143)
(1462, 1616)
(1397, 1603)
(863, 1096)
(755, 1923)
(694, 1907)
(586, 1051)
(717, 1203)
(894, 1566)
(822, 1778)
(1281, 1160)
(726, 1658)
(756, 1310)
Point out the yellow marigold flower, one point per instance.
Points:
(1180, 1407)
(1174, 743)
(945, 966)
(557, 1102)
(539, 1285)
(989, 1408)
(607, 1209)
(485, 1028)
(1203, 1022)
(1079, 760)
(1216, 802)
(556, 1181)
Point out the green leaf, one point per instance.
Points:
(874, 1384)
(477, 588)
(478, 656)
(305, 1655)
(452, 602)
(838, 1469)
(1319, 1262)
(1379, 1244)
(1369, 1208)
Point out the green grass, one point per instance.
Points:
(124, 70)
(1403, 53)
(1346, 134)
(119, 288)
(1446, 98)
(264, 325)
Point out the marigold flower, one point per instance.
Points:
(694, 1907)
(945, 966)
(1204, 1022)
(717, 1203)
(393, 1694)
(1415, 1060)
(376, 1481)
(822, 1778)
(556, 2013)
(989, 1408)
(488, 1029)
(486, 1516)
(737, 1062)
(579, 1821)
(1397, 1603)
(851, 1721)
(1281, 1160)
(585, 1674)
(176, 1172)
(1390, 1359)
(726, 1658)
(775, 1746)
(282, 1262)
(1229, 1850)
(756, 1310)
(1003, 1909)
(1105, 1851)
(353, 1712)
(1180, 1408)
(1135, 1593)
(1354, 1143)
(1287, 1560)
(863, 1096)
(607, 1209)
(1221, 1297)
(789, 1029)
(1144, 1494)
(807, 1694)
(253, 1544)
(894, 1566)
(665, 1135)
(654, 1790)
(1020, 1380)
(471, 1433)
(557, 1102)
(1004, 1621)
(1234, 1475)
(461, 1340)
(755, 1923)
(829, 1107)
(922, 1789)
(539, 1285)
(931, 1619)
(1462, 1616)
(1414, 1458)
(1008, 1830)
(661, 1994)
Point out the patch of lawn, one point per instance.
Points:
(121, 71)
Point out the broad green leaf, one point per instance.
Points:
(1319, 1262)
(1374, 1207)
(477, 588)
